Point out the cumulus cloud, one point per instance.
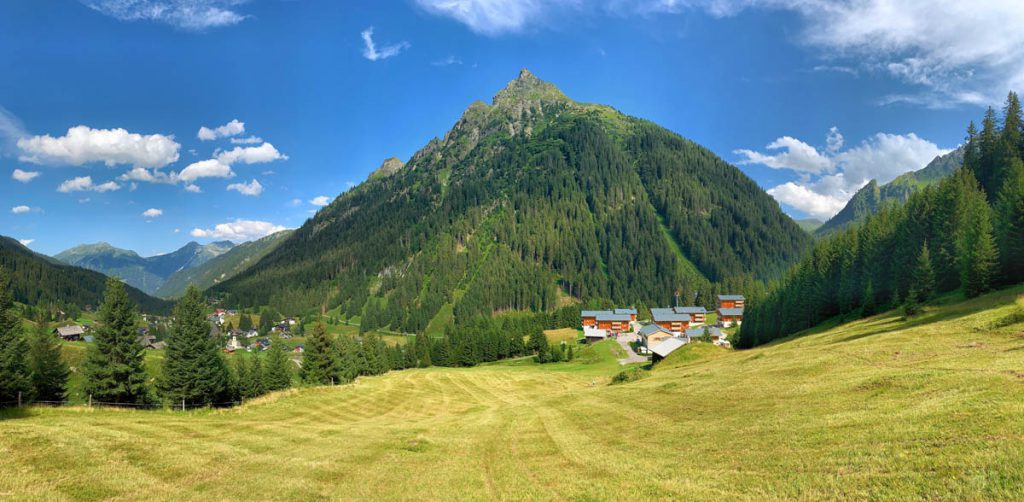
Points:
(253, 188)
(153, 212)
(233, 128)
(321, 200)
(24, 176)
(147, 175)
(371, 52)
(85, 184)
(250, 154)
(238, 230)
(193, 15)
(83, 145)
(210, 168)
(251, 140)
(831, 175)
(20, 209)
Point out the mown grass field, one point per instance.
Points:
(882, 408)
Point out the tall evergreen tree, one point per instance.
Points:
(15, 377)
(1010, 217)
(48, 369)
(245, 322)
(115, 370)
(979, 256)
(194, 370)
(320, 360)
(923, 280)
(277, 374)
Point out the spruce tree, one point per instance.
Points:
(1010, 216)
(115, 369)
(277, 374)
(244, 322)
(923, 279)
(49, 371)
(319, 361)
(15, 377)
(868, 304)
(978, 255)
(194, 370)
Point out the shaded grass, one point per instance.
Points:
(894, 410)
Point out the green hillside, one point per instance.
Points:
(526, 200)
(880, 409)
(147, 274)
(220, 267)
(870, 198)
(39, 279)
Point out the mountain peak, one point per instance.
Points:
(527, 87)
(390, 166)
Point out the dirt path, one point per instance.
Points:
(631, 357)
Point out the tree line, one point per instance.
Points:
(964, 233)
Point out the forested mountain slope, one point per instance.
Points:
(147, 274)
(525, 202)
(869, 199)
(221, 267)
(40, 279)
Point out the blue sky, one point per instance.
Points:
(102, 101)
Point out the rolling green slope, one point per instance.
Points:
(221, 267)
(525, 200)
(877, 409)
(41, 279)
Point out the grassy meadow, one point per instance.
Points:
(882, 408)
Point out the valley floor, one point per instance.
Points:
(877, 409)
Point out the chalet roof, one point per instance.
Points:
(668, 315)
(651, 329)
(699, 332)
(669, 346)
(625, 311)
(594, 313)
(66, 331)
(731, 297)
(690, 310)
(613, 317)
(158, 345)
(730, 312)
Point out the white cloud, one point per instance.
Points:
(246, 141)
(85, 184)
(250, 154)
(210, 168)
(11, 130)
(153, 212)
(321, 200)
(238, 230)
(295, 202)
(233, 128)
(194, 15)
(147, 175)
(193, 188)
(492, 17)
(253, 188)
(20, 209)
(448, 61)
(798, 156)
(24, 176)
(82, 145)
(26, 242)
(829, 177)
(371, 52)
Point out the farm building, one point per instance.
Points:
(70, 333)
(653, 335)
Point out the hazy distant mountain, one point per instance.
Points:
(145, 273)
(222, 267)
(809, 225)
(38, 278)
(870, 198)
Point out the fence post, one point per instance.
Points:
(19, 399)
(182, 405)
(90, 400)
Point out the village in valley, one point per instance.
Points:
(667, 329)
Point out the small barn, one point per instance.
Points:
(70, 333)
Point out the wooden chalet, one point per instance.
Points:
(70, 333)
(728, 317)
(731, 301)
(653, 335)
(671, 320)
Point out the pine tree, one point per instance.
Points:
(48, 369)
(348, 358)
(250, 376)
(911, 306)
(978, 254)
(194, 370)
(1010, 216)
(569, 356)
(245, 322)
(319, 361)
(868, 305)
(114, 369)
(923, 279)
(15, 377)
(1013, 127)
(278, 372)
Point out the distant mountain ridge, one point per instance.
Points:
(144, 273)
(40, 279)
(220, 268)
(869, 199)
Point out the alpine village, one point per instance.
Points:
(552, 300)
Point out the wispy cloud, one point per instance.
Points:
(371, 52)
(152, 212)
(233, 128)
(448, 61)
(193, 15)
(320, 200)
(24, 176)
